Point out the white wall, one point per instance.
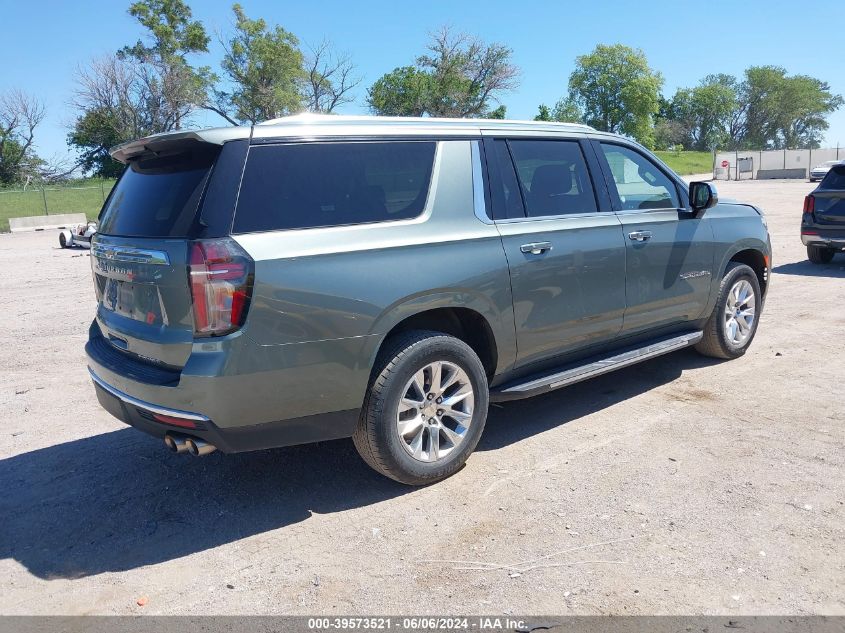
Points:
(775, 159)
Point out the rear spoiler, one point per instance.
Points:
(168, 142)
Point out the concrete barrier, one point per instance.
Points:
(772, 174)
(38, 222)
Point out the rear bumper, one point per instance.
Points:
(263, 406)
(815, 235)
(140, 414)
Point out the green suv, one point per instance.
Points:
(322, 277)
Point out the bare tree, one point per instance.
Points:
(330, 78)
(118, 99)
(468, 73)
(20, 115)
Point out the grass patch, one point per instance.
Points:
(83, 197)
(685, 163)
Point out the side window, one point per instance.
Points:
(307, 185)
(640, 184)
(510, 187)
(553, 176)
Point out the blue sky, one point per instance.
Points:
(44, 41)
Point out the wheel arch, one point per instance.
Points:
(755, 259)
(464, 323)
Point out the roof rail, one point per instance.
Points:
(337, 119)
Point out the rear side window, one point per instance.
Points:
(640, 184)
(307, 185)
(158, 197)
(554, 178)
(835, 178)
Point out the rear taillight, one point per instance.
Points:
(221, 275)
(809, 204)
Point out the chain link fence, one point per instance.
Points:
(53, 199)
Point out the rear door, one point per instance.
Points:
(564, 246)
(830, 198)
(669, 251)
(139, 256)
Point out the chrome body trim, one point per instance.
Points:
(147, 406)
(130, 255)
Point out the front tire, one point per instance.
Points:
(732, 325)
(425, 408)
(62, 240)
(820, 254)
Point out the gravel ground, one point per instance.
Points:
(679, 486)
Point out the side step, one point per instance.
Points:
(572, 374)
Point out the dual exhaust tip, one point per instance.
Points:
(184, 444)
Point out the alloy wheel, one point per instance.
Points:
(435, 411)
(740, 312)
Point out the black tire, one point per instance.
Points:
(820, 254)
(376, 436)
(62, 240)
(716, 342)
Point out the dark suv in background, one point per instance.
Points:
(823, 220)
(315, 278)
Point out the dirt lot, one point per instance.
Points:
(679, 486)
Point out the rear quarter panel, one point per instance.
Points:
(325, 298)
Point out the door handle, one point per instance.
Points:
(536, 248)
(639, 236)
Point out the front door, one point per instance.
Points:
(563, 243)
(669, 251)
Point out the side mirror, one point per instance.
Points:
(702, 196)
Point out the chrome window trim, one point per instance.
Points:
(535, 218)
(478, 199)
(652, 210)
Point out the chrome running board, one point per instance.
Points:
(593, 367)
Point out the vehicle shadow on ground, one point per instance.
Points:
(835, 268)
(119, 501)
(513, 421)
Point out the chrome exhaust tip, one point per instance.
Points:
(197, 447)
(176, 443)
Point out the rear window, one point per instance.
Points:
(158, 197)
(835, 178)
(307, 185)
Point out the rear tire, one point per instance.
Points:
(820, 254)
(425, 408)
(62, 240)
(729, 330)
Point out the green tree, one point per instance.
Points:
(402, 92)
(782, 111)
(565, 110)
(499, 113)
(669, 134)
(705, 112)
(93, 134)
(176, 87)
(617, 91)
(459, 76)
(270, 76)
(265, 67)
